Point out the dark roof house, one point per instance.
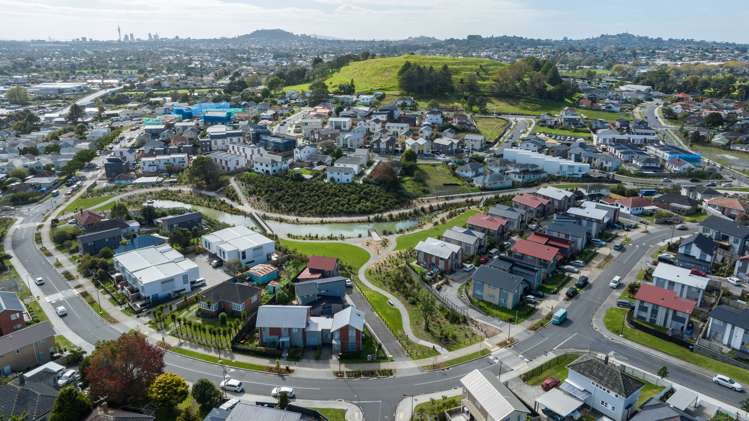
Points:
(607, 375)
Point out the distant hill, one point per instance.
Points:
(270, 35)
(381, 74)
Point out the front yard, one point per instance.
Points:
(517, 315)
(409, 241)
(556, 367)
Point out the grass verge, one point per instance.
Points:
(96, 307)
(556, 368)
(86, 202)
(332, 414)
(215, 360)
(483, 352)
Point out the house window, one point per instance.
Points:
(14, 316)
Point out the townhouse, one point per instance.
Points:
(664, 308)
(729, 326)
(240, 244)
(540, 256)
(726, 232)
(549, 164)
(493, 227)
(471, 242)
(434, 254)
(697, 251)
(561, 200)
(232, 298)
(571, 231)
(156, 273)
(532, 206)
(164, 163)
(496, 286)
(684, 282)
(515, 219)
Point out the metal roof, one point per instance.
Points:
(25, 337)
(559, 402)
(494, 397)
(680, 275)
(439, 248)
(9, 301)
(349, 316)
(282, 316)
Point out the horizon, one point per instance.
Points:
(62, 20)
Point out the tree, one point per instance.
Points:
(168, 390)
(70, 404)
(181, 237)
(52, 148)
(149, 214)
(318, 92)
(713, 120)
(283, 399)
(745, 405)
(222, 318)
(663, 372)
(17, 95)
(121, 370)
(204, 173)
(24, 121)
(408, 162)
(75, 113)
(206, 395)
(189, 414)
(119, 211)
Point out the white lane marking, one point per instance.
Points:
(565, 341)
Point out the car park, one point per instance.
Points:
(582, 282)
(728, 382)
(232, 385)
(616, 282)
(571, 292)
(278, 390)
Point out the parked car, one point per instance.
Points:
(61, 311)
(681, 227)
(582, 282)
(468, 267)
(667, 258)
(276, 392)
(232, 385)
(597, 242)
(537, 293)
(216, 263)
(228, 405)
(728, 382)
(67, 377)
(571, 292)
(484, 259)
(569, 268)
(531, 299)
(559, 316)
(624, 304)
(666, 180)
(200, 282)
(616, 282)
(619, 247)
(349, 283)
(39, 280)
(734, 280)
(549, 383)
(578, 263)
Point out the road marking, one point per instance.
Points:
(218, 375)
(439, 380)
(536, 344)
(565, 341)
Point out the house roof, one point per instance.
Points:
(539, 251)
(114, 414)
(98, 235)
(726, 202)
(554, 193)
(154, 263)
(176, 219)
(25, 337)
(633, 202)
(237, 238)
(349, 316)
(248, 411)
(322, 263)
(9, 301)
(439, 248)
(106, 224)
(726, 226)
(592, 213)
(549, 241)
(493, 396)
(530, 200)
(87, 217)
(282, 316)
(231, 292)
(460, 235)
(607, 375)
(32, 400)
(732, 315)
(504, 212)
(652, 294)
(567, 228)
(704, 243)
(679, 275)
(262, 269)
(497, 278)
(489, 222)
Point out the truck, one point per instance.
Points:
(559, 316)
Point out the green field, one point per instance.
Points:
(491, 127)
(533, 106)
(737, 160)
(381, 74)
(352, 256)
(435, 179)
(409, 241)
(586, 134)
(605, 115)
(86, 202)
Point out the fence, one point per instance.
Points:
(707, 349)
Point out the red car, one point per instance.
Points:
(549, 384)
(484, 259)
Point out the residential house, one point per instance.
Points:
(432, 253)
(488, 399)
(549, 164)
(565, 246)
(434, 117)
(593, 220)
(470, 241)
(239, 243)
(469, 170)
(156, 273)
(514, 218)
(107, 413)
(492, 181)
(445, 146)
(12, 313)
(727, 232)
(293, 327)
(496, 286)
(635, 205)
(533, 144)
(730, 327)
(270, 164)
(229, 162)
(492, 226)
(575, 233)
(663, 307)
(474, 142)
(726, 206)
(340, 174)
(87, 217)
(532, 206)
(27, 347)
(603, 386)
(319, 267)
(421, 146)
(188, 221)
(93, 242)
(232, 298)
(538, 255)
(347, 331)
(164, 163)
(700, 193)
(262, 273)
(532, 275)
(676, 203)
(561, 200)
(697, 251)
(684, 282)
(310, 291)
(283, 326)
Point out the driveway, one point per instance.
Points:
(213, 276)
(378, 327)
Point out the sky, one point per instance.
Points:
(719, 20)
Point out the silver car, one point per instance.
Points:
(728, 382)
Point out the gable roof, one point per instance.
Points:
(87, 217)
(349, 316)
(592, 213)
(232, 292)
(25, 337)
(732, 315)
(703, 242)
(554, 193)
(176, 219)
(679, 275)
(493, 396)
(607, 375)
(726, 202)
(10, 301)
(497, 278)
(548, 240)
(105, 225)
(489, 222)
(505, 212)
(725, 226)
(439, 248)
(282, 316)
(530, 200)
(633, 202)
(322, 263)
(460, 235)
(568, 228)
(539, 251)
(652, 294)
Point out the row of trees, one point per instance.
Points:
(211, 336)
(534, 78)
(423, 81)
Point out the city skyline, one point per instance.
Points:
(356, 19)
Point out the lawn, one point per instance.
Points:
(435, 179)
(614, 320)
(585, 134)
(86, 202)
(353, 256)
(491, 127)
(733, 159)
(216, 360)
(605, 115)
(381, 74)
(332, 414)
(434, 409)
(483, 352)
(519, 314)
(528, 106)
(647, 392)
(556, 368)
(409, 241)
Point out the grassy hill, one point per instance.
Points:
(381, 74)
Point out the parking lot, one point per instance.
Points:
(213, 276)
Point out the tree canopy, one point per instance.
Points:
(424, 81)
(70, 404)
(17, 95)
(534, 78)
(204, 173)
(168, 390)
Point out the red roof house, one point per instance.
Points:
(319, 267)
(565, 246)
(663, 307)
(541, 256)
(534, 206)
(87, 217)
(488, 224)
(662, 297)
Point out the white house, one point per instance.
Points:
(340, 174)
(249, 152)
(343, 124)
(269, 164)
(397, 129)
(680, 280)
(241, 244)
(549, 164)
(221, 137)
(163, 163)
(730, 327)
(487, 399)
(434, 117)
(421, 145)
(474, 142)
(229, 162)
(304, 153)
(157, 272)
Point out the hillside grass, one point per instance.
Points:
(435, 179)
(381, 74)
(491, 127)
(86, 202)
(409, 241)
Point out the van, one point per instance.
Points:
(559, 316)
(200, 282)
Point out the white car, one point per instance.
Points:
(67, 377)
(349, 283)
(570, 269)
(39, 280)
(232, 385)
(733, 280)
(468, 267)
(728, 382)
(276, 392)
(616, 282)
(61, 311)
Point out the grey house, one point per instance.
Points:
(697, 251)
(187, 220)
(728, 232)
(469, 240)
(730, 327)
(93, 242)
(514, 217)
(577, 234)
(497, 287)
(308, 292)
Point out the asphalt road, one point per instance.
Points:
(378, 398)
